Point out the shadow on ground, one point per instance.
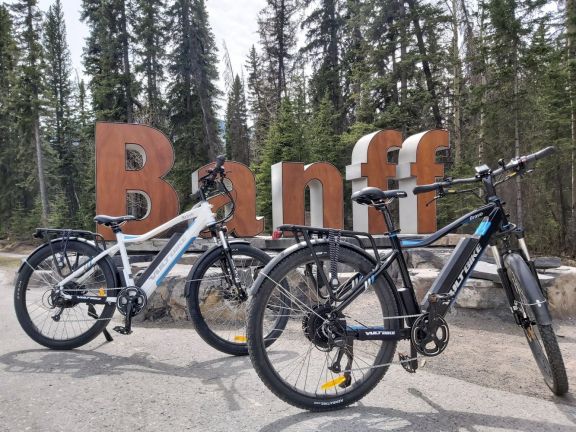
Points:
(364, 418)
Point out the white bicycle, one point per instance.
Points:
(68, 289)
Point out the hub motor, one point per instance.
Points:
(322, 327)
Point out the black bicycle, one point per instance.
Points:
(325, 316)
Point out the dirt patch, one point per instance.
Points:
(488, 349)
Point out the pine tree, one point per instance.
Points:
(192, 92)
(150, 42)
(106, 60)
(259, 101)
(28, 107)
(237, 137)
(59, 121)
(277, 37)
(8, 58)
(284, 143)
(323, 41)
(320, 138)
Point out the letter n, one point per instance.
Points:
(115, 180)
(289, 181)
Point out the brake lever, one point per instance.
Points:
(437, 197)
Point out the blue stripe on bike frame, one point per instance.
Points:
(174, 261)
(410, 242)
(482, 228)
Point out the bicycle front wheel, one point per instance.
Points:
(314, 363)
(216, 304)
(48, 318)
(540, 337)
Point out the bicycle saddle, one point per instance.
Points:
(111, 220)
(373, 195)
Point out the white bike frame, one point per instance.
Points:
(201, 216)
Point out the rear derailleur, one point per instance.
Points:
(130, 302)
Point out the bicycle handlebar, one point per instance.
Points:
(217, 168)
(514, 164)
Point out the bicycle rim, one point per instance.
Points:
(303, 364)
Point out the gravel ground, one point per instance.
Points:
(164, 377)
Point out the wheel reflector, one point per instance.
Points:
(333, 383)
(102, 292)
(240, 339)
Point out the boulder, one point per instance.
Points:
(560, 286)
(422, 280)
(168, 303)
(482, 294)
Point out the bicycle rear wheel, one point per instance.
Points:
(216, 307)
(51, 320)
(311, 364)
(540, 337)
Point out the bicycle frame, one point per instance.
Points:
(452, 277)
(202, 217)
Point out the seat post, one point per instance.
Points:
(383, 208)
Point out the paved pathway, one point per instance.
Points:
(166, 379)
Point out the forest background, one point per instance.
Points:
(500, 75)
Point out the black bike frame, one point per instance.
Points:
(492, 220)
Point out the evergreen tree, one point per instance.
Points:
(28, 107)
(150, 42)
(284, 143)
(259, 100)
(237, 138)
(59, 121)
(323, 38)
(278, 40)
(106, 60)
(192, 92)
(320, 138)
(8, 58)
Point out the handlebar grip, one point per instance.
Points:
(219, 162)
(217, 167)
(540, 154)
(426, 188)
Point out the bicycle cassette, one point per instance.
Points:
(131, 299)
(430, 336)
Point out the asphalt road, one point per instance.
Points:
(164, 378)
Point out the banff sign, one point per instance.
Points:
(370, 166)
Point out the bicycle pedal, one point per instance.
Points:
(122, 330)
(408, 363)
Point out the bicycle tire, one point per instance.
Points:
(283, 274)
(218, 315)
(77, 323)
(541, 338)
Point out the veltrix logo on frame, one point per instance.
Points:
(373, 163)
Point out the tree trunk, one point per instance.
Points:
(571, 42)
(40, 163)
(425, 64)
(456, 86)
(517, 149)
(126, 61)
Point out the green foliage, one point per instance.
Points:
(192, 92)
(284, 143)
(237, 137)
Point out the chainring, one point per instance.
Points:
(134, 295)
(430, 336)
